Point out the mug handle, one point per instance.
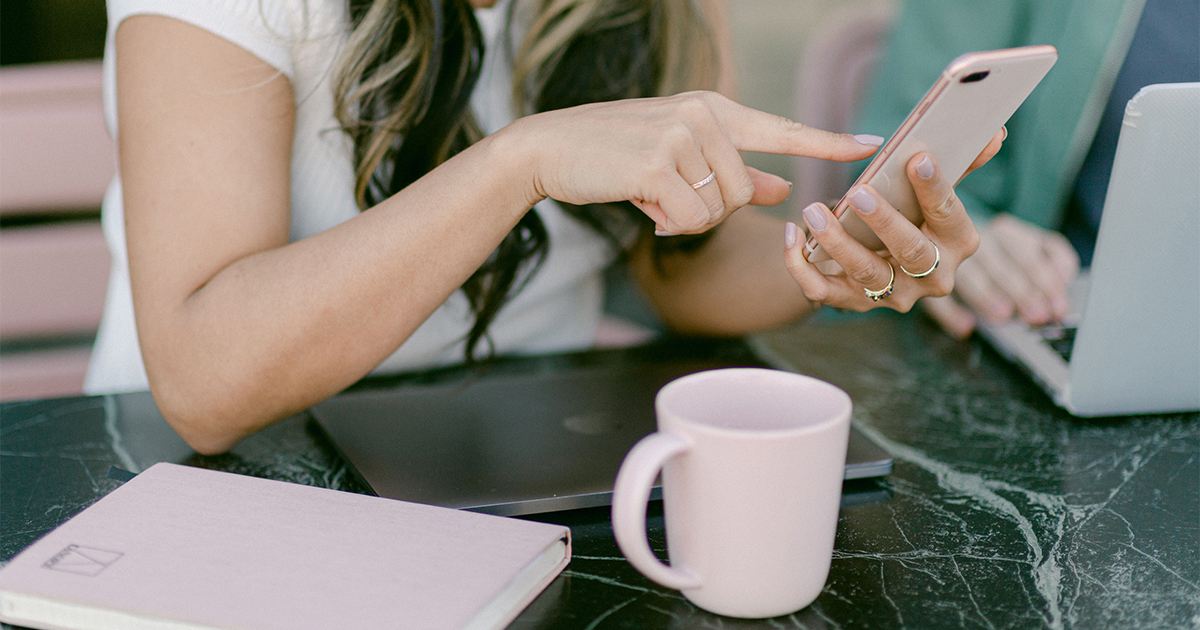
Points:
(631, 492)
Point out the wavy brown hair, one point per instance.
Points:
(402, 94)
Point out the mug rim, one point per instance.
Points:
(844, 405)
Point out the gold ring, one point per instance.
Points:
(885, 291)
(937, 258)
(704, 182)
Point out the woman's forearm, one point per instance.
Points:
(736, 284)
(279, 330)
(239, 328)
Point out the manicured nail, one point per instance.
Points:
(1004, 128)
(1061, 306)
(815, 218)
(1036, 314)
(999, 310)
(863, 200)
(664, 233)
(925, 168)
(868, 139)
(789, 235)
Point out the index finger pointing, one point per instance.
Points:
(754, 130)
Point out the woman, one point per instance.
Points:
(310, 191)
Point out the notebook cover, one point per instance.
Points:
(220, 550)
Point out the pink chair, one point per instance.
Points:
(56, 160)
(835, 69)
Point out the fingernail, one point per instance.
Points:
(664, 233)
(1004, 128)
(789, 235)
(815, 218)
(868, 139)
(925, 168)
(863, 200)
(1036, 314)
(999, 311)
(790, 187)
(1061, 306)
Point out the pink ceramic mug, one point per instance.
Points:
(752, 463)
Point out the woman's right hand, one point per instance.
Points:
(653, 151)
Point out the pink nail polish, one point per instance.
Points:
(868, 139)
(925, 168)
(1036, 314)
(1061, 306)
(863, 200)
(815, 218)
(789, 235)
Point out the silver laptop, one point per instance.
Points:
(1132, 342)
(523, 442)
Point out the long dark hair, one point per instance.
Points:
(403, 91)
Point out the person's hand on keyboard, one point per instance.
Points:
(1019, 270)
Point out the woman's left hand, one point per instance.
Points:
(919, 262)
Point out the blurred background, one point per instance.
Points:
(803, 59)
(33, 31)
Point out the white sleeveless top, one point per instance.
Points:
(558, 310)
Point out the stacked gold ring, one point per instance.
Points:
(937, 258)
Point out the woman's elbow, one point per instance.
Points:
(208, 418)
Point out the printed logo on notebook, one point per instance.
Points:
(82, 560)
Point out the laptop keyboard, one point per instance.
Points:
(1060, 338)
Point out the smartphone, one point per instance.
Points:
(975, 95)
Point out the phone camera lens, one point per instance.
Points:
(975, 76)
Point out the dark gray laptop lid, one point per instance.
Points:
(520, 442)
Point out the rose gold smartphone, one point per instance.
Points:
(974, 97)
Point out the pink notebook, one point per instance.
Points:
(186, 548)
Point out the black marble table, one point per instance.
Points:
(1002, 511)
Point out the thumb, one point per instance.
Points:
(769, 190)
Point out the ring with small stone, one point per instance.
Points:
(885, 291)
(704, 182)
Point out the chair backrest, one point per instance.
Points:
(56, 154)
(56, 160)
(835, 68)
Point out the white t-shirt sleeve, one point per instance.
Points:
(265, 28)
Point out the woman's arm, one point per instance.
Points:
(239, 328)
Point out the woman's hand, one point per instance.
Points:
(919, 262)
(1019, 269)
(659, 152)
